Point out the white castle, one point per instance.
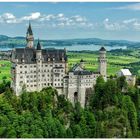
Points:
(35, 68)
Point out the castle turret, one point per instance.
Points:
(39, 66)
(29, 37)
(102, 62)
(82, 63)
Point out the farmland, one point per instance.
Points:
(115, 61)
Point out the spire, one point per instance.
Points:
(29, 30)
(29, 37)
(102, 49)
(38, 45)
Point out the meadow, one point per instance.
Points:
(5, 69)
(115, 61)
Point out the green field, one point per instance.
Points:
(115, 61)
(5, 69)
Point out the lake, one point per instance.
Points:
(79, 47)
(90, 47)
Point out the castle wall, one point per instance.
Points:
(49, 75)
(79, 84)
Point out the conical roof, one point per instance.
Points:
(38, 45)
(102, 49)
(29, 30)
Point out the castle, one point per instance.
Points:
(35, 68)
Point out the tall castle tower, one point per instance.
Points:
(29, 37)
(39, 66)
(102, 62)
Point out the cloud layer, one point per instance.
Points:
(135, 7)
(50, 19)
(75, 21)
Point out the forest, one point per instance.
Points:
(113, 111)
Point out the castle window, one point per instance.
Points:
(20, 71)
(61, 70)
(34, 66)
(25, 71)
(21, 77)
(34, 75)
(45, 65)
(48, 84)
(75, 97)
(20, 66)
(25, 66)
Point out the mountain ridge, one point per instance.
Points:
(20, 41)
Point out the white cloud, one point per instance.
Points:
(112, 25)
(127, 24)
(51, 20)
(135, 6)
(8, 18)
(32, 16)
(128, 21)
(60, 15)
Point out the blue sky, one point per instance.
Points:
(116, 20)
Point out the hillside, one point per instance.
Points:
(11, 42)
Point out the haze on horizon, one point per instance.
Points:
(105, 20)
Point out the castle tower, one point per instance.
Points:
(82, 63)
(29, 37)
(39, 66)
(102, 62)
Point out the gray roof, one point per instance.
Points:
(29, 55)
(75, 66)
(84, 72)
(26, 54)
(29, 30)
(38, 45)
(102, 49)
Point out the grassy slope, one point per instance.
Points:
(113, 64)
(5, 70)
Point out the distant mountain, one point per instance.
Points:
(13, 42)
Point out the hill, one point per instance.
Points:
(13, 42)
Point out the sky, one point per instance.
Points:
(70, 20)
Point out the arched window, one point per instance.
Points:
(75, 97)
